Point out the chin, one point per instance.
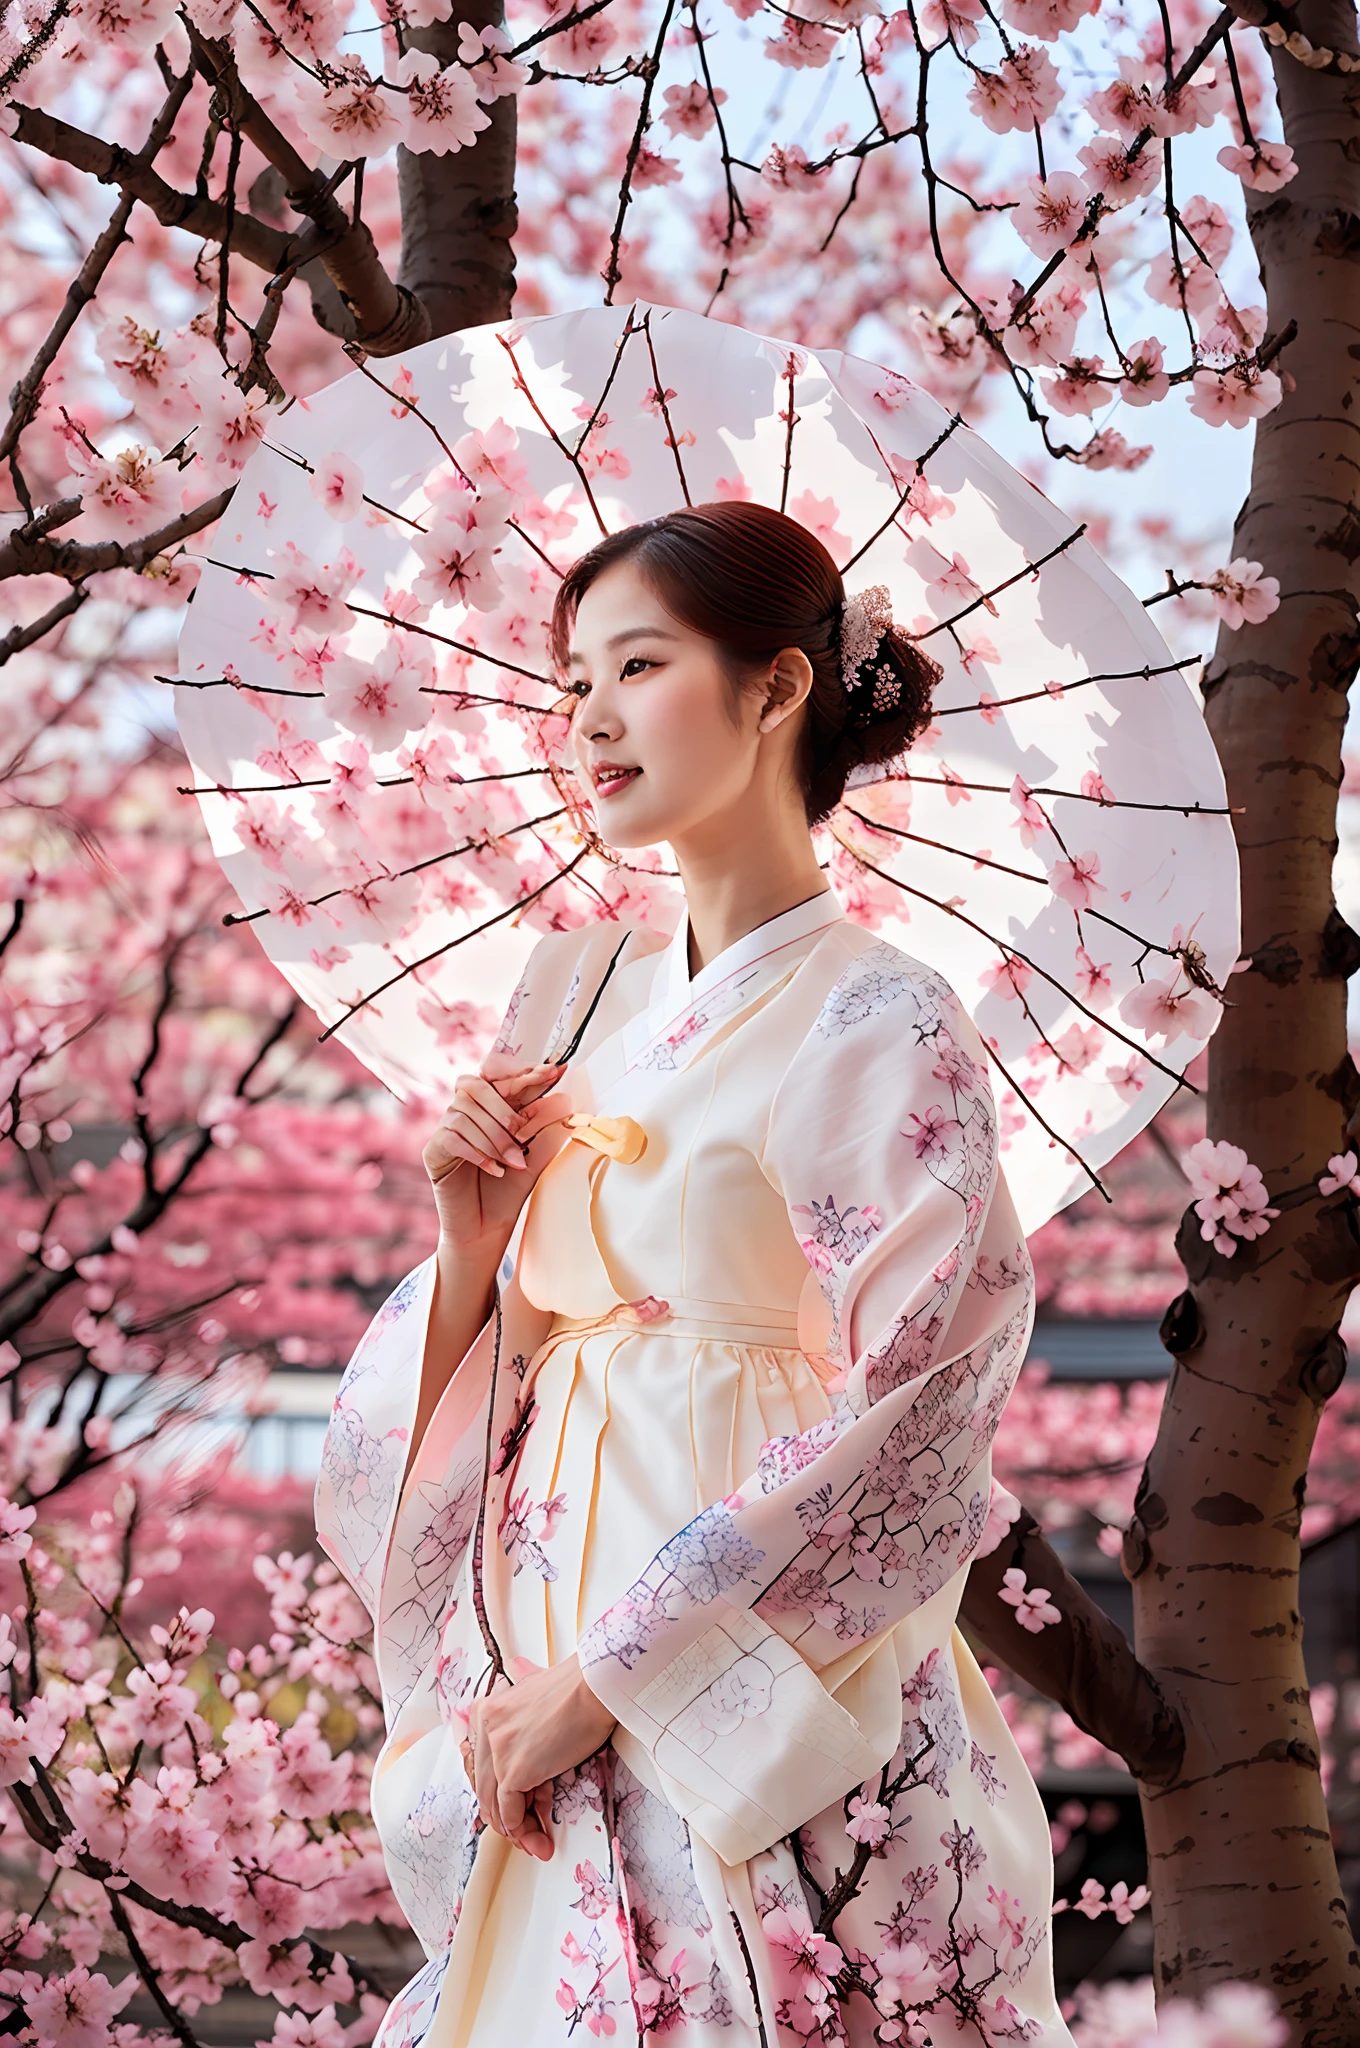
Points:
(628, 837)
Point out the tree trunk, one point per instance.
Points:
(1242, 1870)
(458, 212)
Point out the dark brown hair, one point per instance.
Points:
(754, 582)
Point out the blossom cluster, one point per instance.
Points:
(198, 1812)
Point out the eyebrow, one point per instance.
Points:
(628, 633)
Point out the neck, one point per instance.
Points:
(740, 872)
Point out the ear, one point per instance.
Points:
(788, 687)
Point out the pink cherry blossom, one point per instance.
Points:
(337, 482)
(951, 20)
(869, 1822)
(77, 2010)
(15, 1523)
(1034, 1609)
(352, 115)
(1009, 977)
(296, 2030)
(1075, 880)
(801, 46)
(131, 492)
(1047, 19)
(1051, 212)
(1048, 329)
(312, 593)
(651, 169)
(493, 72)
(1232, 1201)
(1003, 1511)
(443, 107)
(1243, 595)
(585, 47)
(1265, 168)
(230, 423)
(1079, 389)
(1144, 381)
(1342, 1175)
(1116, 174)
(1236, 396)
(1162, 1009)
(381, 700)
(689, 110)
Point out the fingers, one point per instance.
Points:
(466, 1139)
(549, 1109)
(522, 1088)
(484, 1770)
(486, 1121)
(485, 1125)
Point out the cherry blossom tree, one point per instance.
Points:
(215, 200)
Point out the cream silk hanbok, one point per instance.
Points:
(728, 1438)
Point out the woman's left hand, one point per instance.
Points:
(524, 1735)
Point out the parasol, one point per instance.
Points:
(377, 739)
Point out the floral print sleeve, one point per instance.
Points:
(724, 1660)
(402, 1546)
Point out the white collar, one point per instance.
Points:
(673, 990)
(684, 1009)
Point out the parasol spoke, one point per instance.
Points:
(325, 781)
(234, 683)
(1009, 952)
(659, 391)
(1055, 692)
(985, 597)
(431, 860)
(513, 668)
(983, 860)
(790, 419)
(412, 405)
(301, 462)
(895, 514)
(511, 909)
(1077, 796)
(570, 455)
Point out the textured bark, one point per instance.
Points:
(1243, 1875)
(458, 212)
(1084, 1662)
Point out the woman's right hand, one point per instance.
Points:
(488, 1149)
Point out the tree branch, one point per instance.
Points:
(77, 559)
(20, 637)
(265, 246)
(1084, 1663)
(388, 318)
(45, 1285)
(26, 393)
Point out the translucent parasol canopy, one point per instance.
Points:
(378, 740)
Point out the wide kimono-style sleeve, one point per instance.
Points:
(724, 1659)
(400, 1537)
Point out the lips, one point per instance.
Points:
(611, 776)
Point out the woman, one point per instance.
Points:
(662, 1476)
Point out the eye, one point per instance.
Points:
(636, 663)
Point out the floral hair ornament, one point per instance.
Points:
(381, 766)
(873, 688)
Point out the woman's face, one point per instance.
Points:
(664, 744)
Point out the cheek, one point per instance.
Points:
(690, 726)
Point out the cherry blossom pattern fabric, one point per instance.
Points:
(368, 705)
(756, 1334)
